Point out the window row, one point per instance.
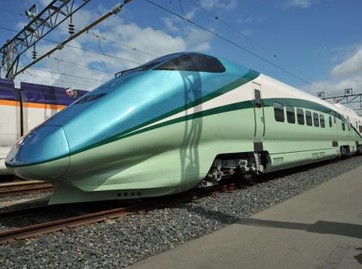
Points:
(310, 118)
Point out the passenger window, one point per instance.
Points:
(343, 126)
(321, 117)
(300, 116)
(330, 121)
(290, 114)
(315, 120)
(308, 118)
(278, 112)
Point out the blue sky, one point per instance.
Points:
(315, 45)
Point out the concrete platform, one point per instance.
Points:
(320, 228)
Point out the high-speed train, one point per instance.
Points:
(180, 121)
(23, 108)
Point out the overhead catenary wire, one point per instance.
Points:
(115, 10)
(69, 81)
(82, 49)
(230, 42)
(64, 74)
(92, 33)
(185, 18)
(104, 54)
(251, 40)
(217, 18)
(86, 67)
(40, 25)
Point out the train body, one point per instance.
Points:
(178, 122)
(22, 109)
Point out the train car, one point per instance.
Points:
(351, 116)
(181, 121)
(23, 109)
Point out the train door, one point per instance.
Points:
(259, 131)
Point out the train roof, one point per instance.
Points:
(286, 90)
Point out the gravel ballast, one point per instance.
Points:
(122, 242)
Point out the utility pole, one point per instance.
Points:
(348, 98)
(39, 27)
(41, 24)
(61, 45)
(9, 59)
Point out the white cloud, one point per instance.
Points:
(346, 74)
(198, 40)
(219, 4)
(112, 46)
(65, 68)
(155, 42)
(351, 66)
(301, 3)
(170, 24)
(298, 3)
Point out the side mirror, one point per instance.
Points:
(71, 93)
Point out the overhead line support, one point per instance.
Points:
(115, 10)
(41, 24)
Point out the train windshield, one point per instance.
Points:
(193, 62)
(149, 65)
(181, 62)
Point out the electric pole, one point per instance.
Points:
(40, 25)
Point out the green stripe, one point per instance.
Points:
(305, 104)
(223, 109)
(231, 86)
(243, 105)
(205, 113)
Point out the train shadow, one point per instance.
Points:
(320, 226)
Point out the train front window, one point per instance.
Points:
(148, 65)
(193, 62)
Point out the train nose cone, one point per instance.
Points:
(41, 154)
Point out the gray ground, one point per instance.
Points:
(119, 243)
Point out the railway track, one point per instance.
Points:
(21, 187)
(63, 224)
(82, 217)
(78, 215)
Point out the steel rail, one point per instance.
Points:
(14, 188)
(31, 231)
